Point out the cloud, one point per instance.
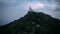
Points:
(58, 5)
(57, 0)
(8, 1)
(35, 5)
(57, 9)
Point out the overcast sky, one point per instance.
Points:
(11, 10)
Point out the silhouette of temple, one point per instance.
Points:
(30, 9)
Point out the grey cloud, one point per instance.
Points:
(57, 9)
(58, 5)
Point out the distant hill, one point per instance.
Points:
(32, 23)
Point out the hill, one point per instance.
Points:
(32, 23)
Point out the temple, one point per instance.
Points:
(30, 9)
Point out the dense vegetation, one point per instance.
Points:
(32, 23)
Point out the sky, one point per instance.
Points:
(11, 10)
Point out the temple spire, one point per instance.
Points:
(30, 9)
